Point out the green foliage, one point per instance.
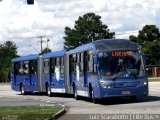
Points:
(8, 50)
(28, 112)
(87, 28)
(149, 39)
(46, 50)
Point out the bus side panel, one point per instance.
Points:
(82, 88)
(13, 82)
(93, 79)
(58, 86)
(14, 85)
(46, 80)
(23, 79)
(72, 80)
(34, 83)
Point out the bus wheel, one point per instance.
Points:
(93, 99)
(48, 90)
(75, 93)
(22, 89)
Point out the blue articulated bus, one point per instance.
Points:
(107, 68)
(101, 69)
(39, 73)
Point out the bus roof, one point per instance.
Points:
(107, 44)
(54, 54)
(25, 58)
(115, 44)
(82, 48)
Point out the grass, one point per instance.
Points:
(154, 79)
(28, 113)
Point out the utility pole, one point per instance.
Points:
(41, 41)
(47, 44)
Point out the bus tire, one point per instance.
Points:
(93, 99)
(75, 93)
(48, 90)
(22, 89)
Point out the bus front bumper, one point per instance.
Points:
(122, 92)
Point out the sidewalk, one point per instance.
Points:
(154, 78)
(154, 85)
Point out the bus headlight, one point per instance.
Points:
(144, 83)
(105, 85)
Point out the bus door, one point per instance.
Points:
(52, 71)
(85, 68)
(46, 72)
(25, 74)
(79, 70)
(33, 75)
(62, 81)
(72, 68)
(17, 73)
(59, 76)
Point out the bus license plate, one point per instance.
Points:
(125, 92)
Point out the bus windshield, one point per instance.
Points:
(121, 65)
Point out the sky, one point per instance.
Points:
(23, 24)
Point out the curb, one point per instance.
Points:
(59, 113)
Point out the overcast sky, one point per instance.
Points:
(22, 23)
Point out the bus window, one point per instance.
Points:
(81, 63)
(85, 59)
(53, 65)
(12, 68)
(46, 66)
(17, 68)
(94, 67)
(57, 61)
(90, 61)
(70, 64)
(62, 65)
(26, 67)
(33, 67)
(74, 63)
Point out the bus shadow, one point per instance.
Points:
(53, 94)
(123, 100)
(106, 101)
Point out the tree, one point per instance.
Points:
(8, 50)
(46, 50)
(149, 39)
(87, 28)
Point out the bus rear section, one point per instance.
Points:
(25, 74)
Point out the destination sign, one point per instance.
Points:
(122, 53)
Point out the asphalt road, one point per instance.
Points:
(77, 108)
